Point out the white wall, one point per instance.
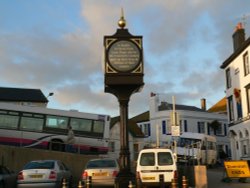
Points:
(240, 128)
(192, 118)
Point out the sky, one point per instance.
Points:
(57, 46)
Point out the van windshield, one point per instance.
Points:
(164, 158)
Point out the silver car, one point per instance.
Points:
(44, 174)
(7, 178)
(101, 172)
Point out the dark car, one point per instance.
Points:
(44, 174)
(7, 178)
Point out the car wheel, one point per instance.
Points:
(60, 184)
(2, 184)
(70, 182)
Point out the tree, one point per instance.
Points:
(214, 125)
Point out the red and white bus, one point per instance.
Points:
(44, 128)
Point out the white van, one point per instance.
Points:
(154, 166)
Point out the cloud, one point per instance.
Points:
(184, 44)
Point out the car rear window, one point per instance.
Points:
(40, 165)
(101, 164)
(147, 159)
(165, 158)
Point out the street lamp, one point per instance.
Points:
(49, 95)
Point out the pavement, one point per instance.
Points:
(215, 177)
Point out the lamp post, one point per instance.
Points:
(123, 77)
(50, 94)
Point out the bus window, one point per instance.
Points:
(30, 123)
(81, 124)
(57, 122)
(189, 142)
(9, 121)
(98, 127)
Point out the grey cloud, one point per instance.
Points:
(70, 64)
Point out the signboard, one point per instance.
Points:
(175, 129)
(124, 55)
(237, 169)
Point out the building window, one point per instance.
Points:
(181, 126)
(246, 64)
(237, 95)
(225, 129)
(163, 127)
(220, 130)
(230, 108)
(228, 78)
(201, 127)
(208, 130)
(145, 128)
(185, 126)
(248, 98)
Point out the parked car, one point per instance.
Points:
(155, 166)
(44, 174)
(7, 178)
(102, 172)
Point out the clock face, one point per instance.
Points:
(124, 56)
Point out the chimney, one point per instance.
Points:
(203, 104)
(238, 36)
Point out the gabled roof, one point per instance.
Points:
(141, 117)
(22, 95)
(132, 126)
(114, 120)
(167, 106)
(219, 107)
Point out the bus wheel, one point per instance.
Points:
(56, 145)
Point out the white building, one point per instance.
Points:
(237, 72)
(190, 119)
(136, 138)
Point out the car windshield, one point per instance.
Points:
(40, 165)
(101, 164)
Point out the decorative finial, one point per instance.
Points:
(122, 21)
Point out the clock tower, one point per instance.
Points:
(123, 71)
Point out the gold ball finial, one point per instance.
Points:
(122, 21)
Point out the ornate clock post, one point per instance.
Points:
(123, 77)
